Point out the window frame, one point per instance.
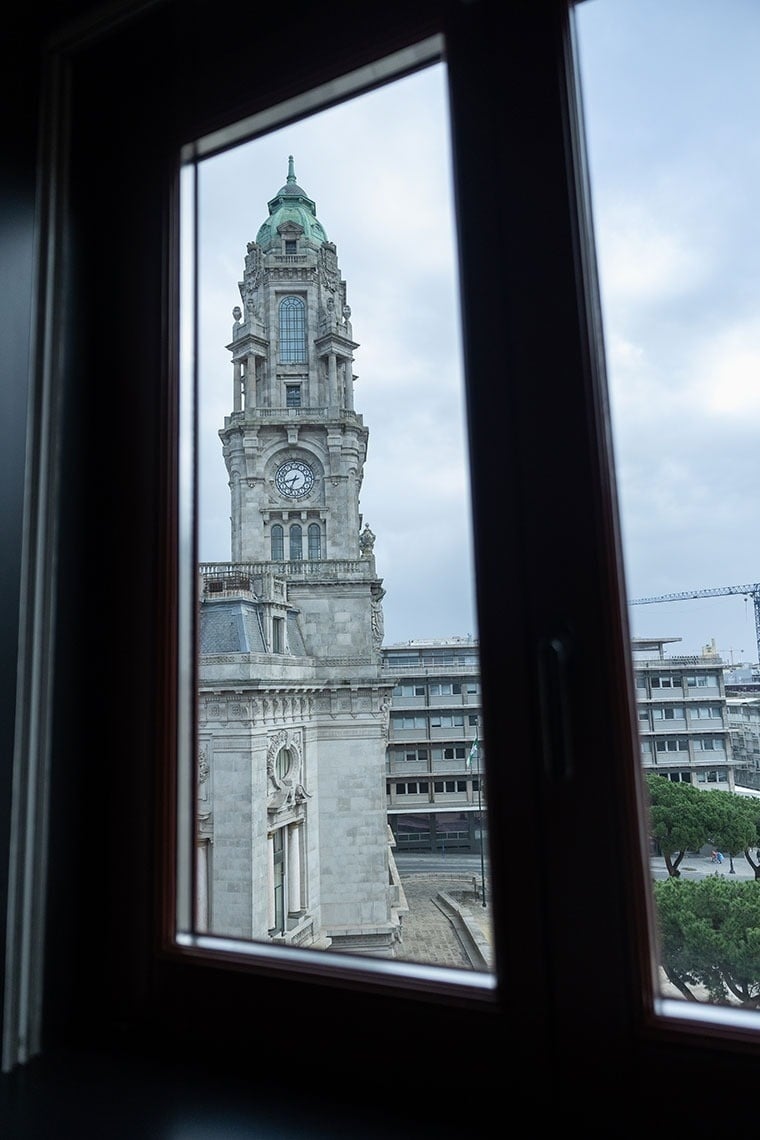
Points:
(568, 637)
(292, 330)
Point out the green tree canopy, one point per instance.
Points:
(679, 818)
(684, 818)
(710, 937)
(732, 822)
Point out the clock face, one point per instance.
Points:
(294, 479)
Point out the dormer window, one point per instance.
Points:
(291, 246)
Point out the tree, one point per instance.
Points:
(710, 937)
(733, 826)
(679, 818)
(752, 808)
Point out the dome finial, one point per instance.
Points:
(291, 169)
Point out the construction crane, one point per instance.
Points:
(749, 591)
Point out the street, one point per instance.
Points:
(692, 866)
(427, 862)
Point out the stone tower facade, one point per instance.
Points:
(293, 843)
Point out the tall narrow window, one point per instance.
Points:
(296, 543)
(315, 541)
(278, 545)
(292, 331)
(277, 907)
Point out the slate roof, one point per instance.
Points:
(231, 626)
(235, 625)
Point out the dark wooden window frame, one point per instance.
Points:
(574, 960)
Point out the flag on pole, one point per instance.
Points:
(473, 752)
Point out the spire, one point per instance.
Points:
(291, 204)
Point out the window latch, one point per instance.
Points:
(553, 657)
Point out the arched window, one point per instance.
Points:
(296, 543)
(278, 543)
(315, 541)
(292, 331)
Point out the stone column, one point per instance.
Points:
(250, 383)
(348, 384)
(270, 881)
(236, 388)
(236, 495)
(201, 886)
(294, 868)
(332, 380)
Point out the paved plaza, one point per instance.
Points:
(428, 933)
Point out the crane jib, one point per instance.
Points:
(752, 590)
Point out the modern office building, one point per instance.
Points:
(292, 837)
(434, 778)
(683, 715)
(436, 794)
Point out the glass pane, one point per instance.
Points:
(671, 95)
(336, 582)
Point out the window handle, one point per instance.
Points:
(553, 657)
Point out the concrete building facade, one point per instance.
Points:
(744, 725)
(682, 715)
(434, 780)
(437, 800)
(293, 707)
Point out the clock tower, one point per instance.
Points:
(293, 841)
(294, 446)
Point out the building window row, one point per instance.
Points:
(411, 659)
(436, 689)
(422, 787)
(704, 776)
(679, 712)
(423, 755)
(712, 776)
(681, 744)
(677, 681)
(295, 542)
(410, 788)
(401, 721)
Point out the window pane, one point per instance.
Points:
(671, 95)
(333, 301)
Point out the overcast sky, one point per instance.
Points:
(670, 91)
(672, 95)
(378, 169)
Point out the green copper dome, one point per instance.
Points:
(291, 204)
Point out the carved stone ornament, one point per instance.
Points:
(203, 768)
(385, 716)
(328, 266)
(377, 618)
(252, 267)
(285, 791)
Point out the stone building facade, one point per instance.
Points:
(293, 709)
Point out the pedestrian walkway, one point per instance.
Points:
(697, 866)
(428, 934)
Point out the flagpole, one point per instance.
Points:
(482, 852)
